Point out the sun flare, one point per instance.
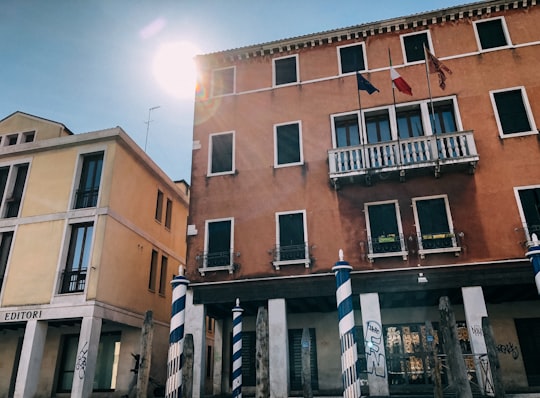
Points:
(174, 68)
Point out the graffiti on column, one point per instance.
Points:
(80, 365)
(376, 361)
(509, 348)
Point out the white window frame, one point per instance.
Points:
(233, 83)
(211, 150)
(528, 111)
(421, 251)
(364, 54)
(305, 261)
(403, 252)
(274, 71)
(205, 268)
(522, 213)
(21, 135)
(300, 145)
(335, 116)
(505, 31)
(404, 53)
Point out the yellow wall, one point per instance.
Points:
(19, 123)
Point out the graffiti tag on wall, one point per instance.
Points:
(80, 365)
(376, 361)
(509, 349)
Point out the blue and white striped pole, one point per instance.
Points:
(534, 257)
(173, 388)
(237, 351)
(349, 355)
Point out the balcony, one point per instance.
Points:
(444, 242)
(290, 255)
(436, 153)
(216, 261)
(391, 245)
(73, 281)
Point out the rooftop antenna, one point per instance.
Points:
(148, 125)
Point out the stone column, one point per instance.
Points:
(374, 345)
(278, 342)
(475, 309)
(85, 362)
(195, 325)
(31, 356)
(218, 357)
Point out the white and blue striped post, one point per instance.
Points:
(237, 351)
(349, 355)
(173, 388)
(534, 257)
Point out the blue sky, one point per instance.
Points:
(88, 63)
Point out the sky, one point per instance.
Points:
(97, 64)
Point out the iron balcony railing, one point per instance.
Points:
(440, 242)
(390, 245)
(291, 254)
(86, 198)
(216, 261)
(411, 153)
(73, 281)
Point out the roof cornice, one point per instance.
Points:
(370, 29)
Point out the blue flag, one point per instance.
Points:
(364, 84)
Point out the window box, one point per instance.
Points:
(387, 239)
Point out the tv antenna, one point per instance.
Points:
(148, 125)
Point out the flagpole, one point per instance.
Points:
(363, 158)
(401, 176)
(429, 90)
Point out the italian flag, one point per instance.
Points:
(399, 82)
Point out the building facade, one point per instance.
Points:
(430, 194)
(92, 233)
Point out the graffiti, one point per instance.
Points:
(509, 348)
(376, 362)
(476, 330)
(80, 365)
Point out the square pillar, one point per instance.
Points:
(278, 342)
(31, 357)
(475, 308)
(218, 356)
(374, 345)
(86, 360)
(196, 326)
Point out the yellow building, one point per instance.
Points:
(92, 231)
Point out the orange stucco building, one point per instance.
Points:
(429, 195)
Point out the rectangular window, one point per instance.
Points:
(88, 190)
(291, 237)
(413, 46)
(528, 332)
(385, 231)
(68, 357)
(409, 122)
(434, 225)
(159, 206)
(378, 126)
(163, 275)
(78, 258)
(219, 235)
(223, 81)
(443, 119)
(12, 139)
(153, 271)
(529, 201)
(285, 70)
(346, 130)
(491, 33)
(28, 136)
(512, 112)
(295, 359)
(288, 144)
(168, 213)
(5, 246)
(14, 190)
(221, 159)
(351, 58)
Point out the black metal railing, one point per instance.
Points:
(86, 198)
(73, 281)
(439, 240)
(387, 244)
(290, 252)
(215, 259)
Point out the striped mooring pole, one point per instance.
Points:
(173, 388)
(534, 257)
(237, 351)
(349, 355)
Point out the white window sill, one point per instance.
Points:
(278, 264)
(204, 270)
(455, 250)
(373, 256)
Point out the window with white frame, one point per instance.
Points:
(223, 81)
(528, 199)
(385, 230)
(12, 185)
(291, 238)
(221, 156)
(512, 112)
(288, 144)
(491, 33)
(413, 46)
(409, 121)
(89, 180)
(18, 138)
(218, 243)
(6, 238)
(434, 226)
(352, 58)
(285, 70)
(78, 258)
